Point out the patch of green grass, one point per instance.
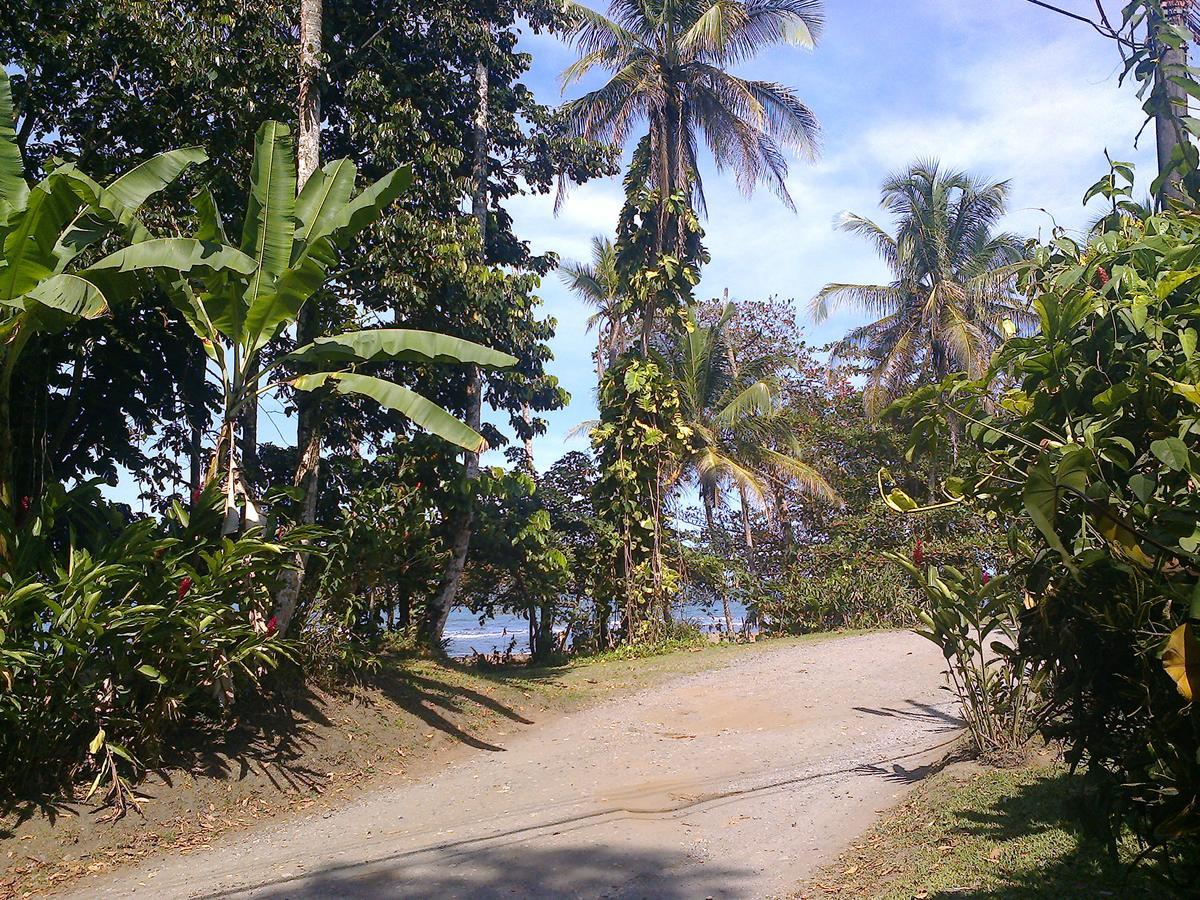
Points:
(991, 833)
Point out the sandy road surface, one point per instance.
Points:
(735, 782)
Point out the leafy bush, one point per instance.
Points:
(1090, 455)
(973, 618)
(106, 643)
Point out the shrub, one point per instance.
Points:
(103, 648)
(973, 618)
(1089, 454)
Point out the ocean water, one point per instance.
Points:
(465, 635)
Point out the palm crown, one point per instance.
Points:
(668, 60)
(945, 308)
(741, 436)
(598, 284)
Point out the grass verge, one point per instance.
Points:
(970, 832)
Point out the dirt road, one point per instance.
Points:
(735, 782)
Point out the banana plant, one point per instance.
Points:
(44, 229)
(292, 242)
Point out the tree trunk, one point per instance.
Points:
(249, 440)
(710, 521)
(308, 324)
(527, 417)
(439, 609)
(746, 532)
(1167, 125)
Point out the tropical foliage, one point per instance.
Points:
(950, 296)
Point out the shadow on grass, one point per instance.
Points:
(274, 736)
(1054, 845)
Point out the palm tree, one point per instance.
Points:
(741, 437)
(669, 64)
(951, 290)
(598, 285)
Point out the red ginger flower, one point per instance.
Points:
(918, 553)
(184, 586)
(196, 496)
(272, 626)
(1102, 274)
(986, 578)
(24, 504)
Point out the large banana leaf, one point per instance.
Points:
(30, 242)
(324, 196)
(13, 189)
(269, 227)
(144, 180)
(369, 205)
(211, 227)
(72, 295)
(179, 254)
(423, 412)
(399, 345)
(290, 292)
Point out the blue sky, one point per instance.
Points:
(998, 87)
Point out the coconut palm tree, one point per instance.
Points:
(669, 62)
(741, 437)
(598, 285)
(951, 289)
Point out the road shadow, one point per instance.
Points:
(517, 871)
(921, 712)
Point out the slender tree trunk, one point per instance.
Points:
(249, 440)
(1167, 125)
(747, 534)
(308, 425)
(439, 609)
(710, 521)
(527, 417)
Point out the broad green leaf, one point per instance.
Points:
(323, 199)
(144, 180)
(1169, 283)
(72, 295)
(1172, 452)
(177, 254)
(291, 291)
(30, 242)
(269, 227)
(97, 743)
(400, 345)
(370, 204)
(211, 227)
(1040, 498)
(13, 190)
(396, 397)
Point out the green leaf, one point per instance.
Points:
(1172, 452)
(1168, 284)
(152, 673)
(97, 743)
(72, 295)
(177, 254)
(323, 200)
(423, 412)
(1040, 498)
(13, 190)
(1143, 486)
(269, 227)
(144, 180)
(34, 233)
(370, 204)
(399, 345)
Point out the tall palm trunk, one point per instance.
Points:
(710, 521)
(439, 610)
(1167, 124)
(308, 427)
